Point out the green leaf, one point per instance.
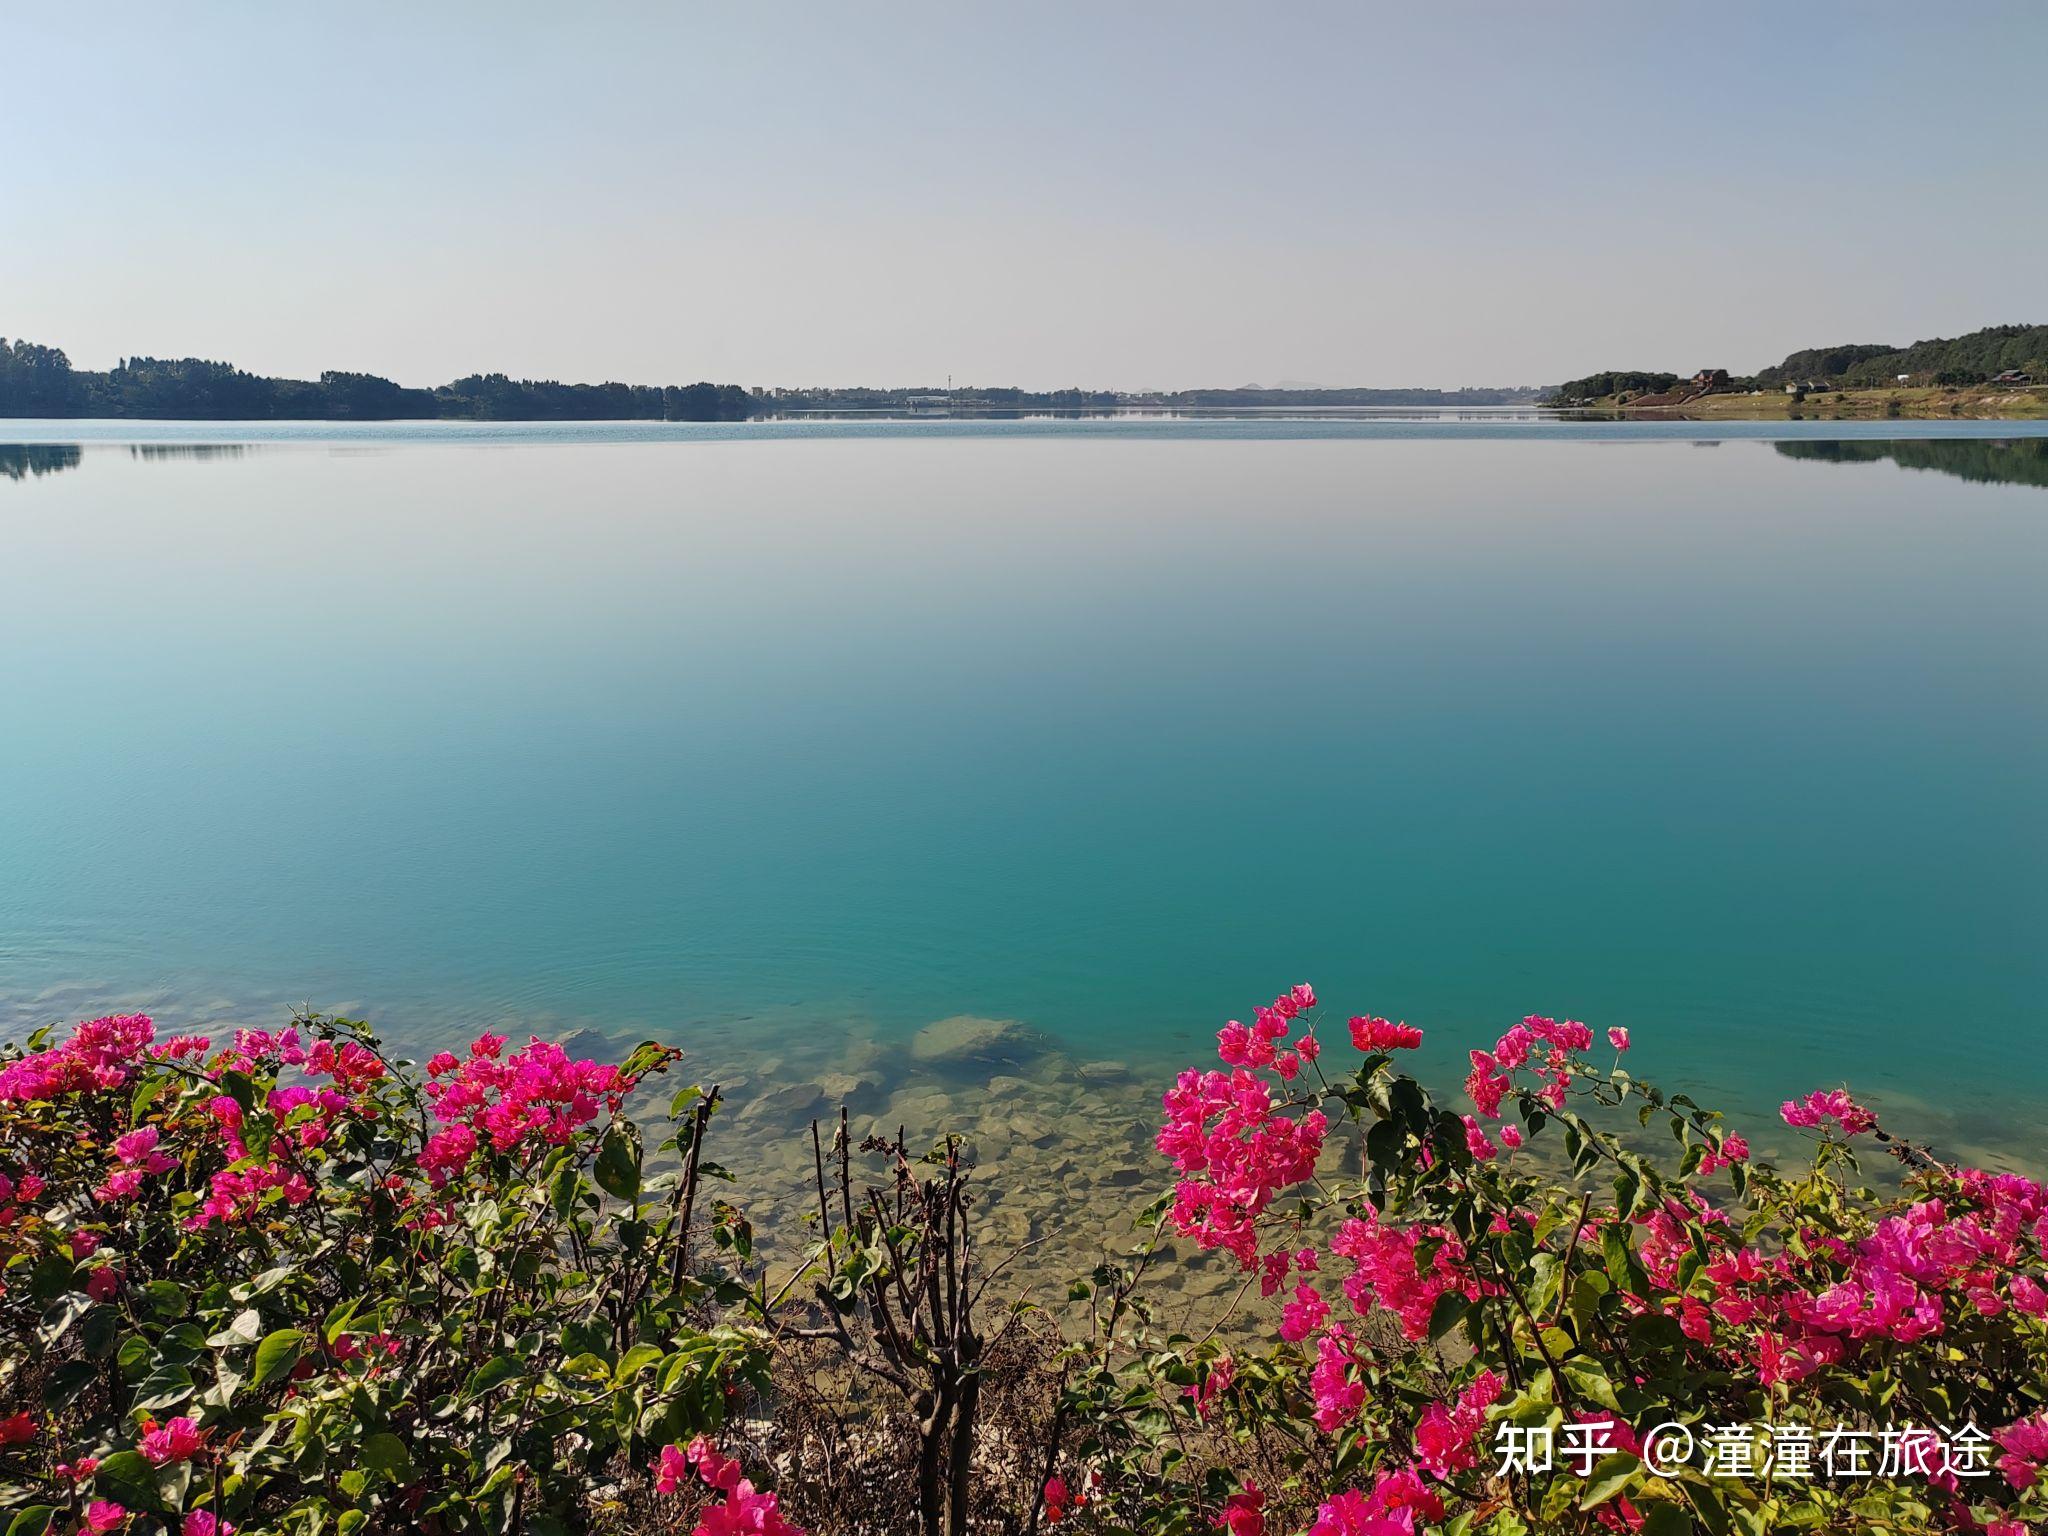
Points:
(636, 1360)
(100, 1332)
(61, 1314)
(618, 1163)
(245, 1330)
(385, 1452)
(165, 1387)
(277, 1354)
(339, 1316)
(145, 1095)
(494, 1372)
(1448, 1312)
(166, 1298)
(1665, 1520)
(32, 1521)
(1613, 1474)
(1588, 1380)
(127, 1479)
(67, 1381)
(563, 1189)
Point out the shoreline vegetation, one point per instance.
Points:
(282, 1282)
(39, 382)
(1999, 373)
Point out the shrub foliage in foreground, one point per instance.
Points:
(286, 1284)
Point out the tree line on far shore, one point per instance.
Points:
(1958, 362)
(40, 381)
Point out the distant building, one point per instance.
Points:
(1905, 378)
(1711, 378)
(2012, 376)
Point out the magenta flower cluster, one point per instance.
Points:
(740, 1510)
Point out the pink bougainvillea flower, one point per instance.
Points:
(1334, 1382)
(2026, 1449)
(202, 1522)
(1733, 1149)
(1214, 1383)
(1565, 1034)
(105, 1515)
(1244, 1512)
(137, 1149)
(100, 1056)
(1477, 1141)
(1486, 1085)
(1056, 1501)
(1239, 1150)
(1618, 1038)
(1347, 1515)
(165, 1444)
(1828, 1104)
(670, 1468)
(1374, 1034)
(1445, 1436)
(17, 1428)
(742, 1511)
(1304, 1314)
(536, 1098)
(1388, 1273)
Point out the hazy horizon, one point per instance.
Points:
(1138, 198)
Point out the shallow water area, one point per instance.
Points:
(782, 740)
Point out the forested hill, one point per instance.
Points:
(40, 381)
(1977, 358)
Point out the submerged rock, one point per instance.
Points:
(1103, 1071)
(856, 1090)
(589, 1045)
(785, 1104)
(966, 1043)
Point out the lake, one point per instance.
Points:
(783, 732)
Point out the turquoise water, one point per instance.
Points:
(1114, 727)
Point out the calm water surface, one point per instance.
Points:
(1114, 728)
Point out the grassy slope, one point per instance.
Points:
(1978, 403)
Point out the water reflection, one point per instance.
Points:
(187, 450)
(20, 460)
(2001, 461)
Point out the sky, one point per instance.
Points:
(1126, 195)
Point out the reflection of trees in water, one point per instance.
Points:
(187, 450)
(1993, 460)
(20, 460)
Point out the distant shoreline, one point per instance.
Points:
(1915, 402)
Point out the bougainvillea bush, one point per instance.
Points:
(1528, 1317)
(285, 1283)
(278, 1284)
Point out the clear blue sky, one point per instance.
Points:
(1126, 194)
